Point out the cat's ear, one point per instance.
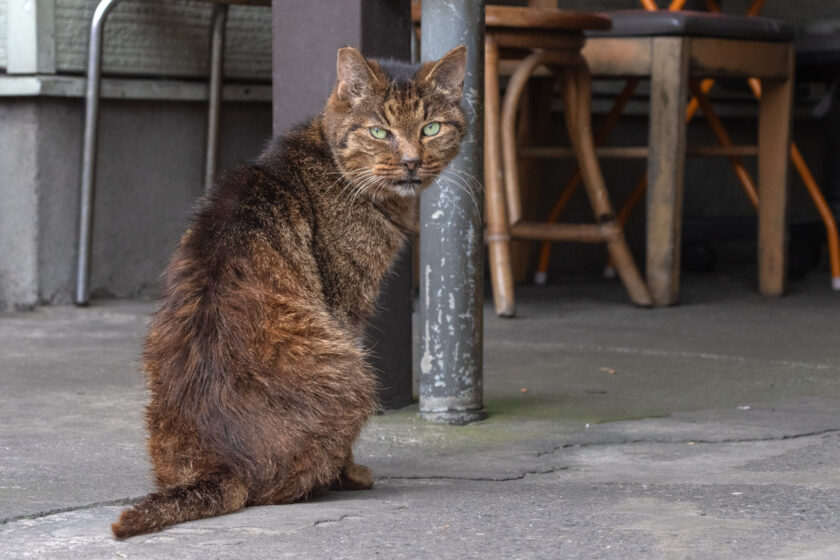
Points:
(448, 73)
(354, 77)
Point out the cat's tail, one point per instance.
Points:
(214, 495)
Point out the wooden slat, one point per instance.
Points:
(624, 57)
(539, 18)
(536, 39)
(712, 58)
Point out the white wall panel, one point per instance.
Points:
(3, 31)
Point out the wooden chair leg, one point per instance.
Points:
(577, 92)
(774, 121)
(498, 232)
(532, 130)
(669, 87)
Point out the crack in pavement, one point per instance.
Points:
(340, 519)
(686, 442)
(519, 476)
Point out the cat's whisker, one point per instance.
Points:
(352, 182)
(468, 179)
(462, 184)
(363, 186)
(471, 178)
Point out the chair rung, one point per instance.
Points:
(723, 151)
(540, 231)
(636, 152)
(611, 152)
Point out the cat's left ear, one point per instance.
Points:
(354, 77)
(448, 73)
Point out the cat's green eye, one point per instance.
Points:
(378, 133)
(431, 129)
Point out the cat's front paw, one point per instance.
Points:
(354, 477)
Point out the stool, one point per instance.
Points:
(675, 49)
(92, 94)
(551, 38)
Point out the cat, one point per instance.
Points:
(257, 377)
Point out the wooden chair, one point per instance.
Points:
(676, 49)
(700, 45)
(89, 147)
(552, 39)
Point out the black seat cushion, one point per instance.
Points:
(642, 23)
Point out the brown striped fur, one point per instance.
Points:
(259, 385)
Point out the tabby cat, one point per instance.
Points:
(258, 380)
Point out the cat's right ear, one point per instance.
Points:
(354, 76)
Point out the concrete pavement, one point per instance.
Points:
(707, 430)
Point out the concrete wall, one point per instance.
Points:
(19, 209)
(149, 176)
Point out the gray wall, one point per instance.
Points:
(19, 208)
(149, 176)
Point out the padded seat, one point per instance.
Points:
(644, 23)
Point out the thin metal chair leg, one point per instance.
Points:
(94, 69)
(217, 52)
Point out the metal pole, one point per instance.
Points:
(217, 55)
(452, 236)
(89, 149)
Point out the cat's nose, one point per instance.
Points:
(410, 163)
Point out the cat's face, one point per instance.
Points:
(391, 135)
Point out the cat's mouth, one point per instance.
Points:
(407, 187)
(408, 182)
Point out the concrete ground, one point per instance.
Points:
(706, 430)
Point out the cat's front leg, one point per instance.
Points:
(353, 476)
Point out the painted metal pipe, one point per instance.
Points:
(94, 70)
(452, 235)
(217, 58)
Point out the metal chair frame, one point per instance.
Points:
(91, 125)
